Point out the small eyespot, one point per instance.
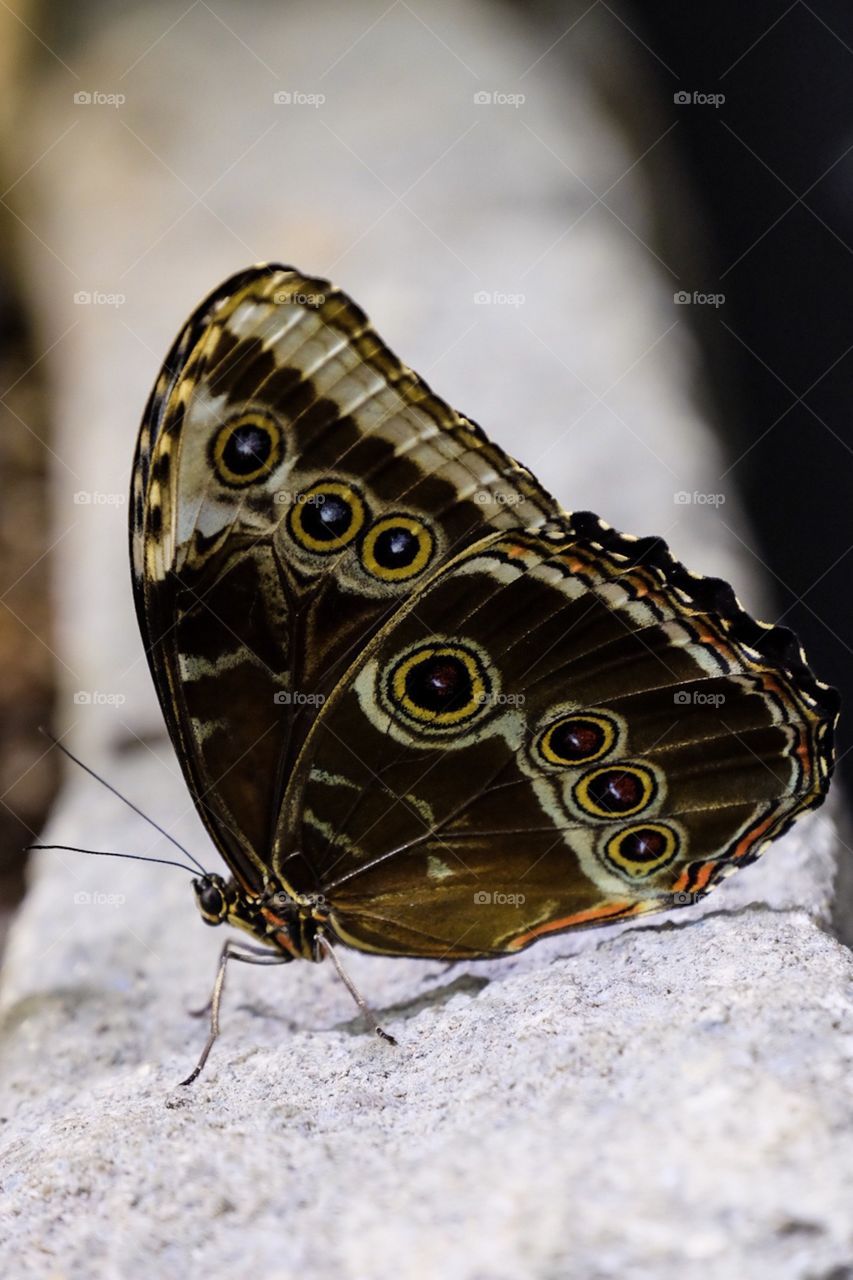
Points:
(577, 739)
(246, 449)
(438, 687)
(618, 790)
(641, 850)
(397, 548)
(327, 517)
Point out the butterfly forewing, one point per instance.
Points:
(294, 485)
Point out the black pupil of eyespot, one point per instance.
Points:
(247, 449)
(616, 791)
(439, 684)
(576, 739)
(643, 846)
(326, 516)
(395, 547)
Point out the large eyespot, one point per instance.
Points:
(246, 449)
(396, 548)
(327, 516)
(438, 687)
(577, 739)
(616, 790)
(641, 850)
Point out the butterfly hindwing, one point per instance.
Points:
(562, 727)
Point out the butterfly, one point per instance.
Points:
(420, 709)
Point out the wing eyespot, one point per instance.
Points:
(397, 548)
(642, 850)
(327, 517)
(616, 790)
(438, 687)
(576, 739)
(246, 449)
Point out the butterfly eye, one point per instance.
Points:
(246, 449)
(439, 686)
(210, 899)
(397, 548)
(577, 739)
(327, 517)
(640, 851)
(616, 790)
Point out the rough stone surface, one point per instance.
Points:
(658, 1101)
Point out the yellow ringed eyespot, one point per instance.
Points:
(246, 449)
(327, 516)
(615, 790)
(577, 739)
(396, 548)
(641, 850)
(439, 686)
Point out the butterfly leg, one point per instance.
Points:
(230, 951)
(326, 947)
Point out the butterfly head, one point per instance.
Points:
(212, 898)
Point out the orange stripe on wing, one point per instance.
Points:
(595, 915)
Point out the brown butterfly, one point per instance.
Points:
(421, 710)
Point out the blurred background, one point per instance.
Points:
(617, 234)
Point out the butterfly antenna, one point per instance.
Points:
(109, 853)
(109, 786)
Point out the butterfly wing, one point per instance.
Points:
(293, 484)
(562, 728)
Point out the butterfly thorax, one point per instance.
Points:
(278, 917)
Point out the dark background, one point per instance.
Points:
(772, 169)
